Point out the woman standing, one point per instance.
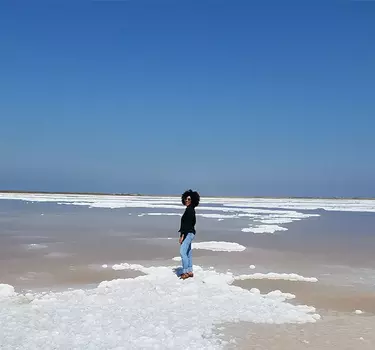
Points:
(187, 231)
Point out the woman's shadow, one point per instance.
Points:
(177, 271)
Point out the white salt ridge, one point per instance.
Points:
(112, 201)
(358, 312)
(36, 246)
(252, 267)
(283, 217)
(358, 205)
(176, 258)
(277, 221)
(28, 276)
(126, 266)
(277, 294)
(57, 255)
(162, 214)
(104, 266)
(139, 313)
(264, 229)
(219, 246)
(218, 216)
(277, 276)
(6, 291)
(235, 207)
(147, 201)
(208, 216)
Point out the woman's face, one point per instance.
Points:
(188, 201)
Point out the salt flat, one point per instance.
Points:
(100, 271)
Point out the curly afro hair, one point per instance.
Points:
(194, 195)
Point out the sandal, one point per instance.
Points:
(184, 276)
(190, 274)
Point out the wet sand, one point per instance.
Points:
(331, 333)
(339, 328)
(322, 296)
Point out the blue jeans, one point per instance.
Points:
(186, 253)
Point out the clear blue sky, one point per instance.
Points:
(229, 97)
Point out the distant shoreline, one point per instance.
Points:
(169, 195)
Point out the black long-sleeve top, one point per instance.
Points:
(188, 221)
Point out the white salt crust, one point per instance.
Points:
(156, 310)
(267, 214)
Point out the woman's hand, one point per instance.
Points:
(181, 239)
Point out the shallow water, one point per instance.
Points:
(42, 242)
